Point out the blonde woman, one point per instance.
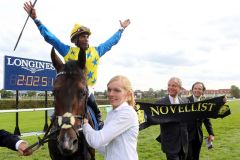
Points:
(117, 140)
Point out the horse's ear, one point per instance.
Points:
(82, 58)
(57, 62)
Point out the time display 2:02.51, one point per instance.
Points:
(29, 80)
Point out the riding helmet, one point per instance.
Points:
(77, 30)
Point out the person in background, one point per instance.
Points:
(195, 132)
(117, 140)
(80, 37)
(174, 136)
(13, 142)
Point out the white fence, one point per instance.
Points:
(107, 108)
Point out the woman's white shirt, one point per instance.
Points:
(117, 140)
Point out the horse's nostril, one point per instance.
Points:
(75, 141)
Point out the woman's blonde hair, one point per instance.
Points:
(126, 86)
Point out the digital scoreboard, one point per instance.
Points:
(28, 74)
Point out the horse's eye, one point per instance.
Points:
(81, 92)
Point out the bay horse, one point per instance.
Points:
(70, 94)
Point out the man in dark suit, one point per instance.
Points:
(13, 142)
(174, 136)
(195, 133)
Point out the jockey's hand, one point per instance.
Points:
(125, 23)
(28, 7)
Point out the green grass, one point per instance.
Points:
(226, 144)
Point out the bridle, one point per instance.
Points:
(67, 120)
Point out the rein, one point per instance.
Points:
(40, 141)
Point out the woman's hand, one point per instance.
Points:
(85, 120)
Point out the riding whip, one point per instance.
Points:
(19, 37)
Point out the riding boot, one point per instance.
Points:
(92, 103)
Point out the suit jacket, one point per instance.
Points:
(195, 127)
(8, 140)
(173, 136)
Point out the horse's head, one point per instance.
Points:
(70, 92)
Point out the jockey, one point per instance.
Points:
(79, 36)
